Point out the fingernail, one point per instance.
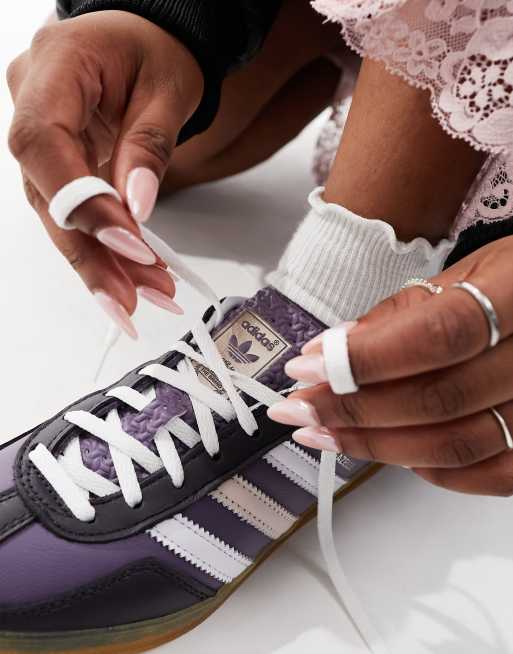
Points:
(160, 299)
(319, 439)
(312, 345)
(127, 244)
(142, 187)
(294, 412)
(307, 368)
(116, 312)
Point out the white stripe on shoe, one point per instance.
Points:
(200, 548)
(298, 466)
(209, 553)
(255, 507)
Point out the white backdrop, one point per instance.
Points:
(433, 569)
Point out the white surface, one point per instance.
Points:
(434, 569)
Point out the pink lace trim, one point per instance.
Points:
(462, 52)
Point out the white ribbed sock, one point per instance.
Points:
(338, 265)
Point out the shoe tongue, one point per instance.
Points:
(256, 338)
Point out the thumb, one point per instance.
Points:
(162, 100)
(142, 153)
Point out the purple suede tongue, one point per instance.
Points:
(257, 338)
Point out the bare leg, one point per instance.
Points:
(279, 121)
(396, 163)
(266, 104)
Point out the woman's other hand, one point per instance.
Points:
(427, 382)
(105, 93)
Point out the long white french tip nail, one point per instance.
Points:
(294, 412)
(160, 299)
(127, 244)
(141, 193)
(116, 312)
(312, 345)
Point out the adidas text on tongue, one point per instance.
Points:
(259, 335)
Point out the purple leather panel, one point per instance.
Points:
(169, 403)
(273, 483)
(181, 565)
(35, 564)
(7, 457)
(212, 516)
(288, 319)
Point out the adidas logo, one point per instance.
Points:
(259, 335)
(240, 352)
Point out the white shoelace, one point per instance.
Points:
(74, 482)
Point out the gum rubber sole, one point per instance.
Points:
(142, 636)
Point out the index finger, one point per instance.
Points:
(439, 332)
(54, 103)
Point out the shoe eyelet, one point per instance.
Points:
(217, 456)
(138, 506)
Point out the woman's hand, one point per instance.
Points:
(105, 93)
(427, 380)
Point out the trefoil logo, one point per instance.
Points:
(240, 352)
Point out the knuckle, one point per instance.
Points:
(393, 304)
(11, 74)
(453, 332)
(154, 141)
(23, 134)
(34, 198)
(408, 298)
(441, 400)
(72, 254)
(368, 448)
(456, 452)
(349, 412)
(43, 35)
(30, 135)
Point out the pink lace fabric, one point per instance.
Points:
(462, 52)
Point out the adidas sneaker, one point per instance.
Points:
(129, 517)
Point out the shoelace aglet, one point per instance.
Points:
(111, 337)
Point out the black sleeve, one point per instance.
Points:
(221, 34)
(477, 236)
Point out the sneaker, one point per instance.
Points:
(133, 514)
